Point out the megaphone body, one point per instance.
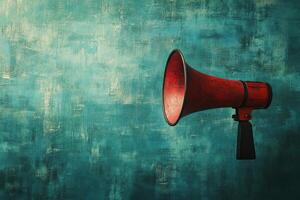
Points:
(186, 91)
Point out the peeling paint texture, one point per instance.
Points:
(80, 99)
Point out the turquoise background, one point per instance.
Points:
(80, 99)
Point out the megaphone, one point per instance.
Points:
(186, 91)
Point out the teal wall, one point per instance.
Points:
(80, 99)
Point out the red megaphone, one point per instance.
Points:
(186, 90)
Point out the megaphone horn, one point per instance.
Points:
(186, 91)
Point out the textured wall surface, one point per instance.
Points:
(80, 99)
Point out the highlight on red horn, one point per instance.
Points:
(174, 87)
(186, 90)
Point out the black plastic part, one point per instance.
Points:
(245, 144)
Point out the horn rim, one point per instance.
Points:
(184, 65)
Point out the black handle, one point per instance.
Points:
(245, 145)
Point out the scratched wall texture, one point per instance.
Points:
(80, 99)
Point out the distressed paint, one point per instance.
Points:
(80, 99)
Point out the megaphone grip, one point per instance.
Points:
(245, 143)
